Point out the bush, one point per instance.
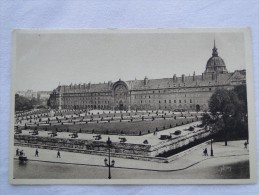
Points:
(191, 128)
(145, 141)
(177, 132)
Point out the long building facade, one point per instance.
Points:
(184, 92)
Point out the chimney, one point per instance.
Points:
(183, 78)
(89, 85)
(145, 80)
(193, 76)
(174, 78)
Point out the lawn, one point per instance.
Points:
(126, 128)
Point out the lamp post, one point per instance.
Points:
(111, 163)
(211, 140)
(211, 149)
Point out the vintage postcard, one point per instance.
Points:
(142, 106)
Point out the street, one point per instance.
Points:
(228, 162)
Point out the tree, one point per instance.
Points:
(22, 103)
(228, 111)
(222, 108)
(242, 118)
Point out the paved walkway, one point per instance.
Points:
(223, 155)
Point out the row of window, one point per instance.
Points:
(84, 99)
(88, 102)
(154, 96)
(109, 94)
(87, 94)
(169, 101)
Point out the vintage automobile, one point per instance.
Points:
(177, 132)
(53, 133)
(34, 132)
(22, 157)
(122, 139)
(164, 137)
(74, 135)
(97, 137)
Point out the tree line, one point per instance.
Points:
(22, 103)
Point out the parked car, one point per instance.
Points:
(164, 137)
(177, 132)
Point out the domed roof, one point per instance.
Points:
(215, 63)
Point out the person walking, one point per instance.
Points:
(205, 152)
(17, 152)
(37, 153)
(58, 154)
(245, 144)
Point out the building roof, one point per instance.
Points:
(206, 79)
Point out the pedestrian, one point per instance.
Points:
(206, 152)
(17, 152)
(58, 154)
(245, 144)
(21, 153)
(37, 153)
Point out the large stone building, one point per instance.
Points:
(184, 92)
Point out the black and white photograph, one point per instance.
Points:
(135, 106)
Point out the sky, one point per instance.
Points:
(43, 59)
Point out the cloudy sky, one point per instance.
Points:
(43, 59)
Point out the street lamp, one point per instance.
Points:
(211, 140)
(110, 163)
(211, 149)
